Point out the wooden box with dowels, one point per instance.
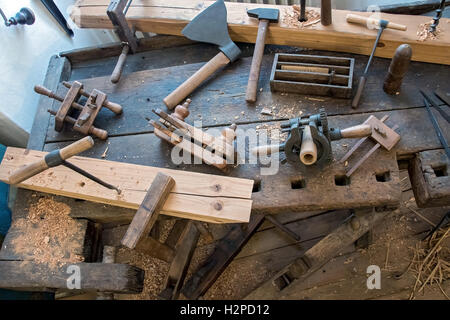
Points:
(70, 104)
(215, 151)
(310, 74)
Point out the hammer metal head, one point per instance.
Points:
(211, 26)
(264, 13)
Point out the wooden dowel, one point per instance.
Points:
(305, 69)
(354, 18)
(308, 150)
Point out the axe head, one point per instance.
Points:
(211, 26)
(264, 13)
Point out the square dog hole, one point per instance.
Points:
(341, 180)
(298, 183)
(383, 176)
(256, 186)
(440, 171)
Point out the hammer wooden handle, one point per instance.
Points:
(359, 131)
(34, 168)
(115, 77)
(366, 20)
(173, 99)
(252, 86)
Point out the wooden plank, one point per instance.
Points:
(158, 17)
(227, 91)
(148, 211)
(110, 277)
(195, 196)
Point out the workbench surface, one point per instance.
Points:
(167, 61)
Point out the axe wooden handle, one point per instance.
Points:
(173, 99)
(115, 77)
(34, 168)
(252, 86)
(366, 20)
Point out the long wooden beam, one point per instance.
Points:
(163, 17)
(196, 196)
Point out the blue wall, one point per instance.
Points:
(5, 214)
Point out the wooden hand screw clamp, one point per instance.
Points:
(87, 113)
(216, 151)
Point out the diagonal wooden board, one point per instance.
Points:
(161, 17)
(196, 196)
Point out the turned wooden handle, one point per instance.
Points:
(173, 99)
(34, 168)
(361, 84)
(114, 107)
(371, 21)
(46, 92)
(99, 133)
(308, 150)
(115, 77)
(359, 131)
(266, 150)
(252, 85)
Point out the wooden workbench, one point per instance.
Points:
(165, 61)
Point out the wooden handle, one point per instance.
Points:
(76, 147)
(46, 92)
(366, 21)
(229, 134)
(252, 86)
(114, 107)
(34, 168)
(115, 77)
(182, 110)
(355, 102)
(326, 17)
(308, 150)
(266, 150)
(359, 131)
(173, 99)
(99, 133)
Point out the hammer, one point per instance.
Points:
(265, 16)
(382, 24)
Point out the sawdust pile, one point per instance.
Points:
(291, 15)
(423, 32)
(47, 234)
(431, 262)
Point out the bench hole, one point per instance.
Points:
(341, 180)
(440, 171)
(256, 186)
(298, 183)
(383, 177)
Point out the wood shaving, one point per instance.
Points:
(291, 15)
(47, 234)
(424, 33)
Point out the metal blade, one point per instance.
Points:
(90, 176)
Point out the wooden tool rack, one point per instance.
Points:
(159, 66)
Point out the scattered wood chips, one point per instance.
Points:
(423, 32)
(291, 15)
(431, 262)
(48, 233)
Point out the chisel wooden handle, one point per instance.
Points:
(115, 77)
(34, 168)
(354, 18)
(361, 84)
(359, 131)
(252, 85)
(173, 99)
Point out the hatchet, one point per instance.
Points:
(208, 26)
